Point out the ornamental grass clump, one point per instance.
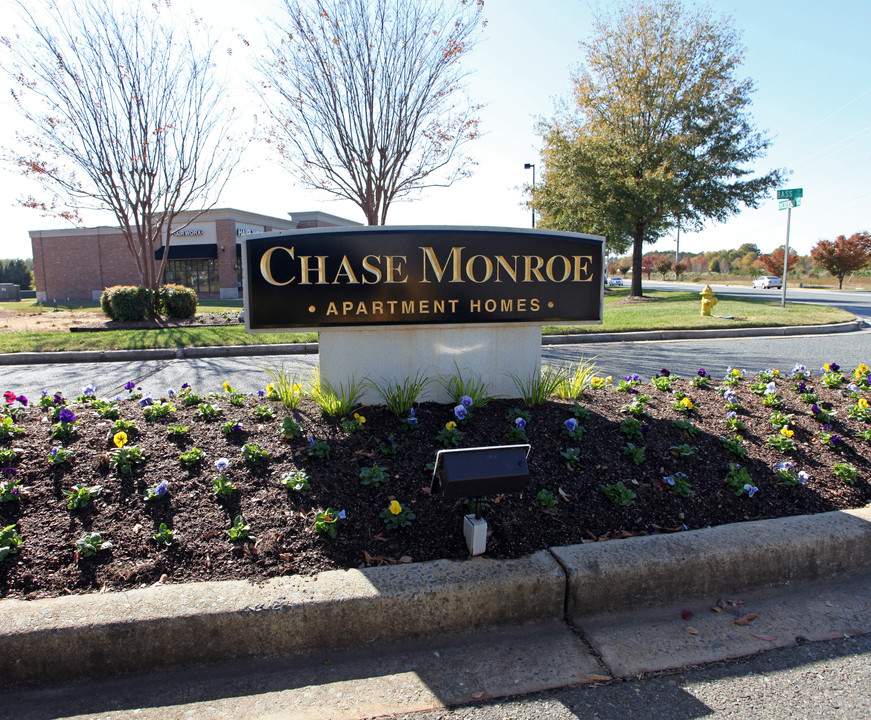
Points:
(400, 397)
(574, 382)
(462, 383)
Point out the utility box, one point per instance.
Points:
(10, 291)
(479, 472)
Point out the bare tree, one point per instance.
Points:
(364, 96)
(124, 114)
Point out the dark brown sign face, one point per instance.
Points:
(420, 275)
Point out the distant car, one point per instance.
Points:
(615, 282)
(767, 281)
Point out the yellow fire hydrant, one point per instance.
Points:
(708, 300)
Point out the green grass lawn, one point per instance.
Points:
(665, 310)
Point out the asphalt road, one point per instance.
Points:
(683, 357)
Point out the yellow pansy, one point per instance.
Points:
(735, 372)
(296, 389)
(826, 367)
(360, 419)
(786, 432)
(226, 386)
(270, 388)
(687, 403)
(862, 369)
(775, 372)
(609, 379)
(120, 439)
(450, 426)
(862, 403)
(395, 507)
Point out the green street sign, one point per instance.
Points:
(789, 194)
(784, 204)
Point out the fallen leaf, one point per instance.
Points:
(563, 495)
(425, 490)
(379, 537)
(767, 638)
(405, 559)
(477, 695)
(596, 678)
(691, 630)
(686, 614)
(716, 608)
(746, 619)
(595, 537)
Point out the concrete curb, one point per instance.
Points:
(644, 572)
(96, 356)
(94, 635)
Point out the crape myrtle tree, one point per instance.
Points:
(773, 261)
(366, 97)
(657, 128)
(124, 114)
(843, 255)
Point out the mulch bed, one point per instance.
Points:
(161, 323)
(282, 521)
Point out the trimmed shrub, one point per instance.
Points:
(176, 301)
(127, 303)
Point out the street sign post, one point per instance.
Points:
(789, 198)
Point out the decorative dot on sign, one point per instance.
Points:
(311, 308)
(550, 304)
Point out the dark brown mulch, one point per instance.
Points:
(159, 323)
(282, 521)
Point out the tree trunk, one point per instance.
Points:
(637, 252)
(840, 282)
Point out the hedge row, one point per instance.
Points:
(128, 302)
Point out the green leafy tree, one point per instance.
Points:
(364, 97)
(843, 255)
(659, 128)
(16, 271)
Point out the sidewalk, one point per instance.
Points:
(358, 643)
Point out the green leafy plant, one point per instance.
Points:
(263, 412)
(178, 431)
(537, 388)
(686, 426)
(191, 457)
(298, 481)
(252, 453)
(574, 382)
(290, 429)
(464, 383)
(207, 411)
(90, 544)
(158, 491)
(60, 455)
(634, 453)
(860, 411)
(10, 541)
(637, 408)
(400, 397)
(239, 530)
(232, 426)
(81, 495)
(326, 522)
(517, 432)
(449, 436)
(11, 490)
(771, 400)
(572, 456)
(125, 426)
(396, 516)
(662, 383)
(284, 386)
(158, 410)
(164, 536)
(236, 399)
(123, 459)
(374, 475)
(683, 450)
(739, 480)
(678, 484)
(191, 398)
(778, 420)
(353, 424)
(620, 495)
(735, 445)
(632, 428)
(387, 445)
(106, 409)
(319, 449)
(845, 472)
(335, 401)
(9, 455)
(222, 486)
(546, 499)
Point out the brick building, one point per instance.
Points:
(78, 264)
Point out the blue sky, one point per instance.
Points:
(809, 62)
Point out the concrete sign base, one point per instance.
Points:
(493, 352)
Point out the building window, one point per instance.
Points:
(201, 274)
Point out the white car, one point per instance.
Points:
(767, 281)
(615, 282)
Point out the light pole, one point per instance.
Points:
(526, 166)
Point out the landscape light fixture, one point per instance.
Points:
(477, 472)
(526, 166)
